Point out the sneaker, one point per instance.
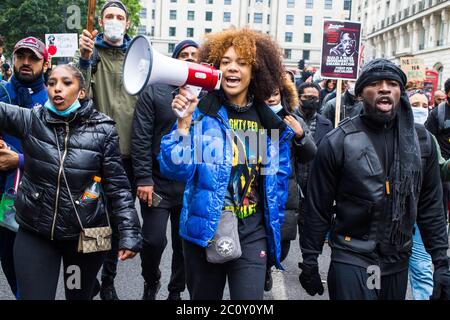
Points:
(96, 289)
(268, 282)
(175, 296)
(108, 292)
(150, 291)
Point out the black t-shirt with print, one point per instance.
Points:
(244, 196)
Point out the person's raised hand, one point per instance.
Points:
(87, 44)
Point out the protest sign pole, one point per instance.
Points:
(337, 115)
(91, 15)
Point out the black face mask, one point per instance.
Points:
(310, 104)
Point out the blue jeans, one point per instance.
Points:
(420, 272)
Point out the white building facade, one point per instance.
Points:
(295, 24)
(396, 28)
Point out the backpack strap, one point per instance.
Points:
(348, 126)
(441, 116)
(424, 140)
(95, 60)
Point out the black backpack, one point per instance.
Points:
(442, 123)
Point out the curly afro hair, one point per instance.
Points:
(257, 49)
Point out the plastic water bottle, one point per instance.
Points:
(93, 190)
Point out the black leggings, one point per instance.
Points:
(206, 281)
(37, 262)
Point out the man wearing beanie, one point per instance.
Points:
(153, 118)
(382, 171)
(100, 59)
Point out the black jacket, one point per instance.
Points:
(350, 107)
(302, 152)
(322, 127)
(154, 118)
(442, 133)
(352, 175)
(88, 144)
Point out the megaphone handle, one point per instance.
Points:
(192, 90)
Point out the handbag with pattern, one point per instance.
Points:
(95, 239)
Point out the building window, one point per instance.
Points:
(191, 1)
(152, 31)
(209, 1)
(143, 13)
(191, 15)
(171, 47)
(208, 16)
(288, 53)
(173, 14)
(290, 3)
(190, 32)
(348, 5)
(208, 30)
(257, 17)
(268, 19)
(308, 20)
(227, 2)
(289, 20)
(173, 1)
(309, 4)
(307, 37)
(226, 16)
(306, 54)
(142, 30)
(172, 31)
(153, 14)
(288, 37)
(328, 4)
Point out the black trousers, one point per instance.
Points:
(38, 262)
(7, 257)
(206, 281)
(109, 270)
(155, 241)
(349, 282)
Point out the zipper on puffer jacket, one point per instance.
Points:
(66, 139)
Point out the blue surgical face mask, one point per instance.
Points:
(276, 108)
(420, 114)
(64, 113)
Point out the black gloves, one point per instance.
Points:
(310, 279)
(441, 283)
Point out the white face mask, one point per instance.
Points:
(114, 30)
(276, 108)
(420, 115)
(351, 88)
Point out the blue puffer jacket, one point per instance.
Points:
(203, 160)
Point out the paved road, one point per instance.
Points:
(129, 283)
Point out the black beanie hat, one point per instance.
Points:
(183, 44)
(116, 4)
(379, 69)
(306, 75)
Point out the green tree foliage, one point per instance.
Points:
(23, 18)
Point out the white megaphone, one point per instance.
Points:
(144, 66)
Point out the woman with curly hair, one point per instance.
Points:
(233, 153)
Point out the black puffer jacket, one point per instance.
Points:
(89, 146)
